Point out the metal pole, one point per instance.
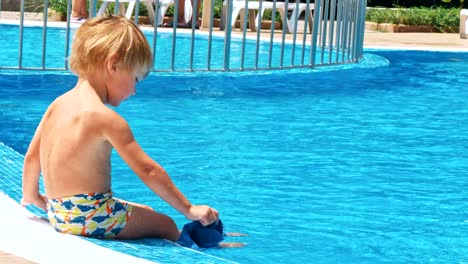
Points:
(192, 39)
(44, 34)
(363, 26)
(227, 35)
(324, 30)
(92, 8)
(67, 33)
(174, 33)
(283, 35)
(332, 30)
(20, 50)
(259, 29)
(339, 24)
(296, 17)
(137, 11)
(352, 30)
(244, 33)
(210, 34)
(117, 7)
(304, 35)
(272, 33)
(155, 31)
(345, 30)
(317, 16)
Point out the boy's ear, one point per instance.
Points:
(111, 66)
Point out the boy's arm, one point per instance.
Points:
(32, 172)
(151, 173)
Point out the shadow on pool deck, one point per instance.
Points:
(433, 41)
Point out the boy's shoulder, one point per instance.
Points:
(83, 108)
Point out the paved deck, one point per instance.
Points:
(437, 41)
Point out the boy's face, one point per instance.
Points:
(122, 85)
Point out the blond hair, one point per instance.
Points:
(100, 39)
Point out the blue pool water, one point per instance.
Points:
(360, 165)
(351, 165)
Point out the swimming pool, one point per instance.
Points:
(362, 163)
(345, 166)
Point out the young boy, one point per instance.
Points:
(73, 143)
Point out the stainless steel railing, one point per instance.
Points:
(312, 33)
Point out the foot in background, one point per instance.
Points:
(180, 25)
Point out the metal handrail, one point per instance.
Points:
(336, 37)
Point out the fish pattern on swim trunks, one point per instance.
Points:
(96, 215)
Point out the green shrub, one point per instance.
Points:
(414, 3)
(443, 19)
(59, 6)
(217, 9)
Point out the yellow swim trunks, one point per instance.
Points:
(96, 215)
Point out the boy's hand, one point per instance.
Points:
(39, 201)
(205, 214)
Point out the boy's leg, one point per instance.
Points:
(145, 222)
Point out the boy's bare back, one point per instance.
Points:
(75, 154)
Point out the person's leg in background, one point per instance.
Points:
(181, 16)
(181, 13)
(197, 14)
(79, 10)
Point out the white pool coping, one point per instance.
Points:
(25, 235)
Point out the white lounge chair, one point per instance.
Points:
(238, 9)
(165, 4)
(464, 23)
(130, 7)
(163, 7)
